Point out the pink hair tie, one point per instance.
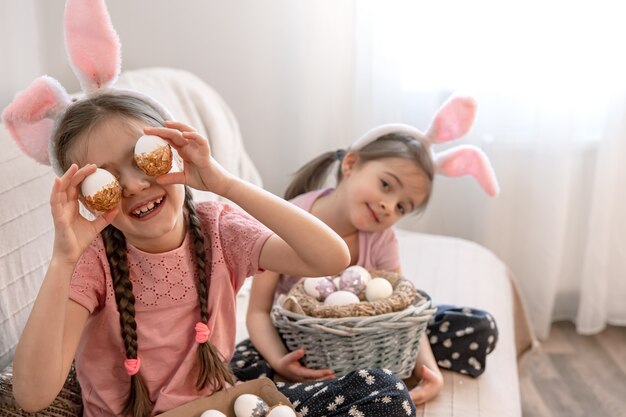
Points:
(132, 366)
(202, 332)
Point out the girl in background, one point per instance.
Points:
(382, 177)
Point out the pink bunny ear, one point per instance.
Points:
(31, 116)
(92, 44)
(468, 160)
(453, 119)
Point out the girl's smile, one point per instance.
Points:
(146, 211)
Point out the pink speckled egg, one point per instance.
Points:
(319, 288)
(354, 279)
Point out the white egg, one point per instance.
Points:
(250, 405)
(148, 143)
(354, 279)
(319, 288)
(341, 298)
(101, 190)
(212, 413)
(281, 410)
(378, 289)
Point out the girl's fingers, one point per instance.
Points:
(82, 173)
(172, 136)
(179, 125)
(61, 184)
(195, 137)
(65, 179)
(105, 219)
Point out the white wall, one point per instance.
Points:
(270, 60)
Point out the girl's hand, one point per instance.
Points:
(429, 387)
(290, 368)
(200, 170)
(72, 232)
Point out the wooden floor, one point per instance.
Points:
(573, 375)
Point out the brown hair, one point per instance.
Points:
(312, 175)
(79, 119)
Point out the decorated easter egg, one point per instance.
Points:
(212, 413)
(153, 155)
(377, 289)
(281, 410)
(341, 298)
(354, 279)
(101, 191)
(336, 282)
(319, 288)
(250, 405)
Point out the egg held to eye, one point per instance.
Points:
(101, 191)
(153, 155)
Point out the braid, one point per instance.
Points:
(138, 402)
(209, 358)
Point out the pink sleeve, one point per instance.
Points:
(385, 252)
(88, 285)
(242, 238)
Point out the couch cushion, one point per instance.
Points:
(27, 234)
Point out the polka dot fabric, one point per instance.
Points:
(461, 338)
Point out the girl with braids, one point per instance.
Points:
(143, 297)
(383, 176)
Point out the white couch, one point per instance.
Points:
(451, 270)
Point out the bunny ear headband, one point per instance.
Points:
(452, 120)
(94, 51)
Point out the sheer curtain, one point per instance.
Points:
(550, 89)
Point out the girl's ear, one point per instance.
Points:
(348, 162)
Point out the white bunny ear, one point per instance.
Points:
(468, 160)
(31, 116)
(453, 119)
(92, 44)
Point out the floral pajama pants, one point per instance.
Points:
(365, 393)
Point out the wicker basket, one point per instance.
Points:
(347, 343)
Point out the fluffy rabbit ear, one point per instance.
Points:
(31, 117)
(468, 160)
(453, 120)
(92, 44)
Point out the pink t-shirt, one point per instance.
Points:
(377, 250)
(166, 310)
